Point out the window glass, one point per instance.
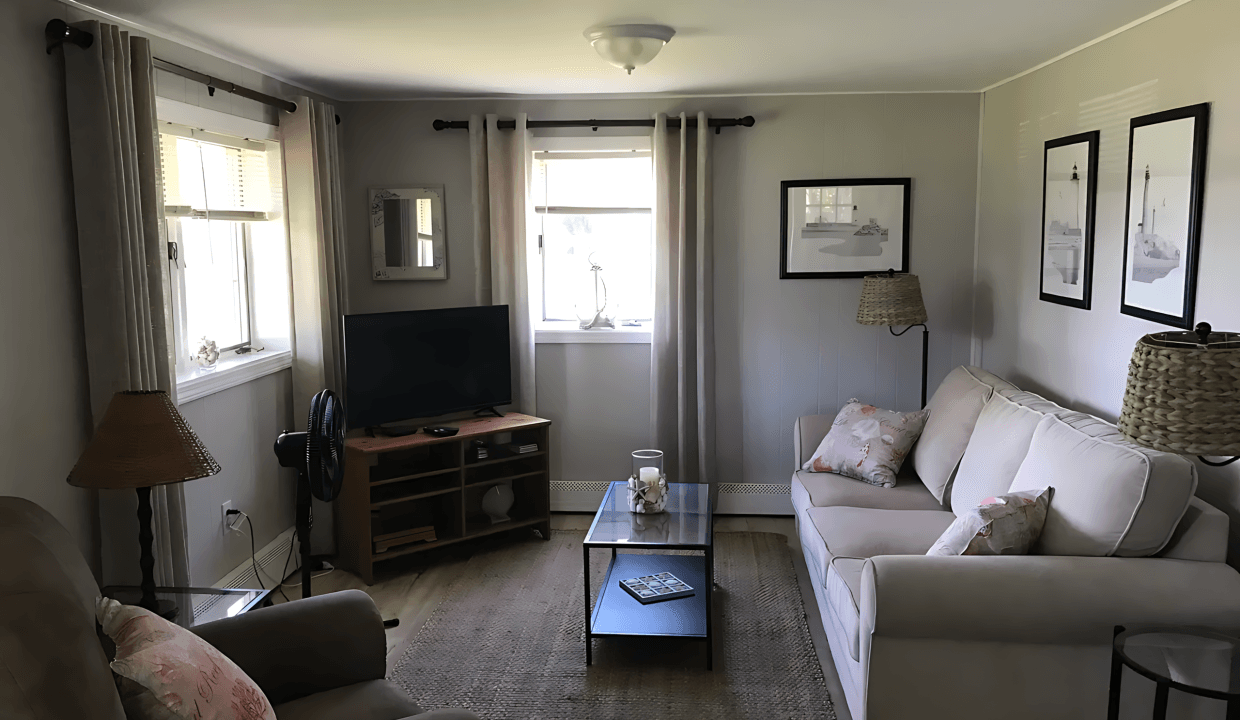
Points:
(213, 261)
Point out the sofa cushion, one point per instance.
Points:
(1112, 496)
(865, 532)
(832, 490)
(371, 700)
(954, 410)
(995, 451)
(843, 586)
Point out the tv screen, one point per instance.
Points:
(424, 363)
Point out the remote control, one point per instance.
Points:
(440, 430)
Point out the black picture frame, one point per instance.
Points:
(1084, 272)
(882, 262)
(1153, 247)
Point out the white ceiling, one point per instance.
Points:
(384, 49)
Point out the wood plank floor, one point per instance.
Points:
(411, 590)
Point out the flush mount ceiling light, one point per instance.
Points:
(629, 46)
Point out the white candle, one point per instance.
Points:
(649, 476)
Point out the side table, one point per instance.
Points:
(1190, 660)
(196, 606)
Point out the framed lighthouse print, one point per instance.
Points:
(1162, 224)
(1069, 192)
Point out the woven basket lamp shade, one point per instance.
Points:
(143, 442)
(1183, 393)
(891, 300)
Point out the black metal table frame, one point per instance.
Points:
(709, 560)
(1163, 685)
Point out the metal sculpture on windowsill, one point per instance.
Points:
(594, 314)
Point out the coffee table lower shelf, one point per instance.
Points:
(618, 614)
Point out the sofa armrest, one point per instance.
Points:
(306, 646)
(807, 432)
(1041, 599)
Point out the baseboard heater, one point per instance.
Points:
(734, 498)
(271, 559)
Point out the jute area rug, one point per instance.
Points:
(508, 642)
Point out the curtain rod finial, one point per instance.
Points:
(58, 32)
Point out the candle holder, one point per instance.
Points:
(648, 483)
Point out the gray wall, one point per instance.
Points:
(784, 348)
(1186, 56)
(46, 414)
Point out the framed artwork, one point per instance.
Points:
(1069, 193)
(846, 228)
(1162, 224)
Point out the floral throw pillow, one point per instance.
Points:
(868, 443)
(1005, 525)
(181, 670)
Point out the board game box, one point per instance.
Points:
(656, 588)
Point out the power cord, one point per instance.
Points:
(253, 559)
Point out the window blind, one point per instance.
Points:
(207, 175)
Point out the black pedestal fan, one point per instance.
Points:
(318, 455)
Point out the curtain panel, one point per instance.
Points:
(126, 297)
(317, 245)
(500, 170)
(682, 347)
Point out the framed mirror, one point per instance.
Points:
(407, 239)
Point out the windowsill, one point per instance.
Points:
(230, 371)
(568, 332)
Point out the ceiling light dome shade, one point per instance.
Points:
(629, 46)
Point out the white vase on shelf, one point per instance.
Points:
(497, 501)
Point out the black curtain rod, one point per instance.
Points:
(673, 123)
(58, 32)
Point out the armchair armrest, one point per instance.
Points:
(807, 432)
(1041, 599)
(306, 646)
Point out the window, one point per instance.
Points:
(222, 201)
(593, 209)
(828, 205)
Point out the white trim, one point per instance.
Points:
(201, 47)
(1091, 43)
(639, 141)
(747, 504)
(179, 113)
(231, 370)
(975, 342)
(548, 333)
(271, 561)
(645, 96)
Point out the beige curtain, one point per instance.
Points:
(500, 169)
(126, 301)
(682, 347)
(317, 248)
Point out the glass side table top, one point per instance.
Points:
(1200, 662)
(195, 606)
(685, 523)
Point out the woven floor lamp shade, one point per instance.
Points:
(891, 300)
(1183, 393)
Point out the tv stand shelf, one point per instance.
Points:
(395, 485)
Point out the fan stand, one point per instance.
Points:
(304, 522)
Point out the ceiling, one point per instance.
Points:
(387, 49)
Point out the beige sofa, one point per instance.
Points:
(1126, 542)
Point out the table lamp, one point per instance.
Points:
(893, 299)
(1183, 394)
(143, 442)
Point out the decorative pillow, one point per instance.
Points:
(191, 678)
(1005, 525)
(867, 443)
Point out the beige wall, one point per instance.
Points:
(1186, 56)
(784, 348)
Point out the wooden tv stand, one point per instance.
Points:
(399, 492)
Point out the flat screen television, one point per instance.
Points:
(425, 363)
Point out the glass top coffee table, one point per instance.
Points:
(685, 525)
(194, 605)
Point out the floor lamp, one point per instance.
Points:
(1183, 394)
(143, 442)
(895, 299)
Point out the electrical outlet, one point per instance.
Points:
(224, 519)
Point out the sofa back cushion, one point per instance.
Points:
(996, 450)
(1112, 496)
(954, 410)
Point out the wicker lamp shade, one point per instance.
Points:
(1183, 393)
(142, 442)
(891, 300)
